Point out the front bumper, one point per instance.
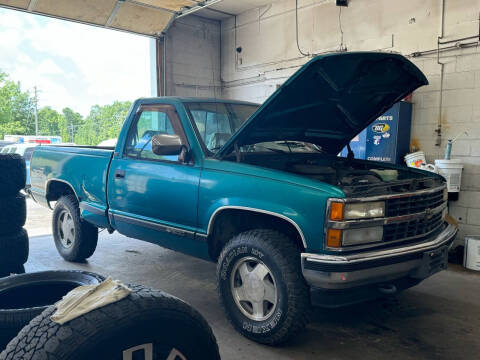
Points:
(417, 261)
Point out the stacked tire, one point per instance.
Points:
(147, 324)
(13, 214)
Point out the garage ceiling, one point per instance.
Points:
(226, 8)
(146, 17)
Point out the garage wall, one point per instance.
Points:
(269, 55)
(193, 58)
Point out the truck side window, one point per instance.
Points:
(214, 127)
(152, 120)
(215, 122)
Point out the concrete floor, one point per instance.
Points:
(438, 319)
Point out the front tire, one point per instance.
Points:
(75, 239)
(261, 286)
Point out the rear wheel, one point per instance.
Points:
(75, 239)
(261, 286)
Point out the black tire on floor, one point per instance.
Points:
(281, 257)
(13, 174)
(144, 317)
(13, 249)
(13, 213)
(22, 297)
(84, 240)
(12, 270)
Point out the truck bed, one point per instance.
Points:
(84, 167)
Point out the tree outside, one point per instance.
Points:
(16, 108)
(103, 122)
(17, 117)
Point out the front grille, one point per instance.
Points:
(414, 204)
(407, 229)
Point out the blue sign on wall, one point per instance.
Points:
(387, 139)
(358, 145)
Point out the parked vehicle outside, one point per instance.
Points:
(4, 143)
(261, 191)
(108, 143)
(34, 139)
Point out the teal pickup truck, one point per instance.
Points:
(261, 191)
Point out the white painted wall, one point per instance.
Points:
(202, 61)
(193, 58)
(270, 55)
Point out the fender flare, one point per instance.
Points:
(47, 185)
(271, 213)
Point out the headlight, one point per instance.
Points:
(362, 235)
(445, 194)
(364, 210)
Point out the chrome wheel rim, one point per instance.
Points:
(66, 229)
(253, 288)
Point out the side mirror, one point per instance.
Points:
(165, 144)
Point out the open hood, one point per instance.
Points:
(330, 100)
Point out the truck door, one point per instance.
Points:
(153, 197)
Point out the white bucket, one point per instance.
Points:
(415, 159)
(451, 170)
(471, 258)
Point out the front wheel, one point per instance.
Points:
(261, 286)
(75, 239)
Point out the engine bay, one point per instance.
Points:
(354, 177)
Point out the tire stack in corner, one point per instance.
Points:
(13, 214)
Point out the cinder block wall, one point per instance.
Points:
(269, 55)
(193, 58)
(460, 112)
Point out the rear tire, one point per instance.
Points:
(75, 239)
(13, 174)
(261, 286)
(13, 214)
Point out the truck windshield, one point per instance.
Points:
(216, 122)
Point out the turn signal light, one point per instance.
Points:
(334, 238)
(336, 211)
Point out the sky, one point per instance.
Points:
(73, 65)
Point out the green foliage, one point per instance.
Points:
(50, 122)
(74, 121)
(103, 122)
(16, 108)
(17, 117)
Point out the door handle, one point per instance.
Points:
(119, 174)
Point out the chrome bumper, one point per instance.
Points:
(380, 266)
